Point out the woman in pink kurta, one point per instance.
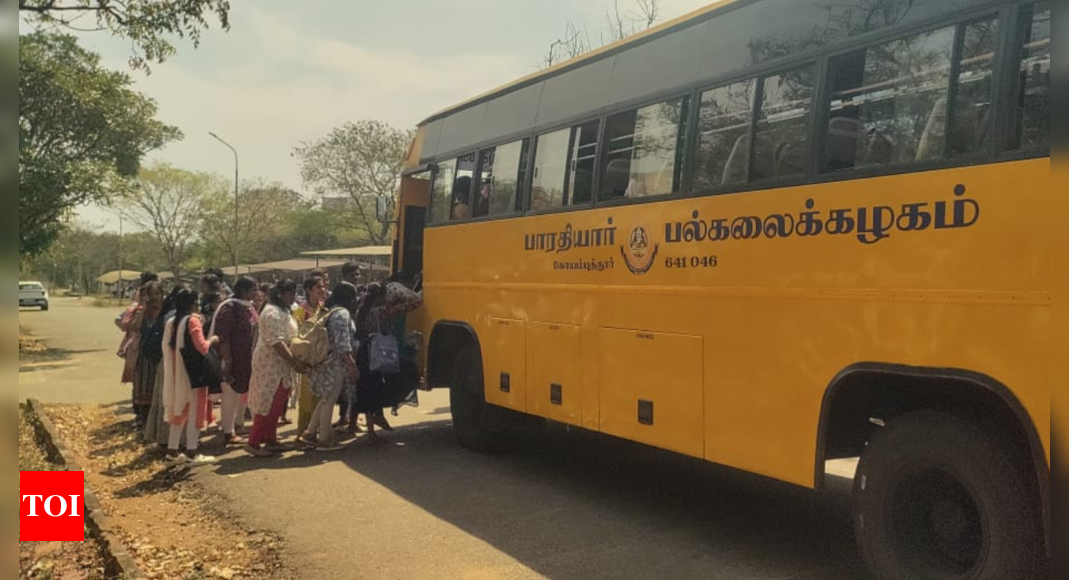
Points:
(183, 401)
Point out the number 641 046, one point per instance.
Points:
(691, 262)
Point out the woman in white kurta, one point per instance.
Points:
(274, 370)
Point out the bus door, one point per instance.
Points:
(412, 209)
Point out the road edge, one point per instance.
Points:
(118, 561)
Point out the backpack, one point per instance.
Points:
(384, 356)
(311, 346)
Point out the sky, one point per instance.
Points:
(289, 72)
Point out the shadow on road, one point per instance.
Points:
(650, 512)
(51, 359)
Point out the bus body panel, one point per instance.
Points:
(944, 269)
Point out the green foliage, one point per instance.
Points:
(261, 217)
(168, 203)
(147, 24)
(361, 161)
(82, 134)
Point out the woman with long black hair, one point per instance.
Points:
(329, 378)
(186, 379)
(152, 349)
(383, 307)
(274, 370)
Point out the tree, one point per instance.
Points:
(147, 24)
(263, 210)
(82, 134)
(362, 161)
(169, 204)
(619, 25)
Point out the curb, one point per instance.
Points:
(116, 558)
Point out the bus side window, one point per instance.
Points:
(888, 103)
(564, 167)
(484, 184)
(644, 151)
(1033, 102)
(783, 124)
(724, 122)
(502, 188)
(970, 121)
(441, 194)
(462, 188)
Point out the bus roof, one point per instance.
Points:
(567, 65)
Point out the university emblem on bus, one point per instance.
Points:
(640, 252)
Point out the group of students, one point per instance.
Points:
(190, 351)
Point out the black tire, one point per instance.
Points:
(479, 426)
(937, 498)
(44, 308)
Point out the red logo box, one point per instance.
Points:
(51, 506)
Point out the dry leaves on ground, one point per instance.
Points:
(30, 346)
(52, 560)
(171, 526)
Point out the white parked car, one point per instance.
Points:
(33, 294)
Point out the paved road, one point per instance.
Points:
(563, 505)
(84, 368)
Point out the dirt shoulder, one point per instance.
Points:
(53, 560)
(29, 347)
(171, 526)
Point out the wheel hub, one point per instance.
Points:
(938, 526)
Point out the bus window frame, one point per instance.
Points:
(997, 150)
(1019, 30)
(529, 181)
(684, 186)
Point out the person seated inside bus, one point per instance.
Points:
(482, 200)
(462, 199)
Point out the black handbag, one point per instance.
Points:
(204, 370)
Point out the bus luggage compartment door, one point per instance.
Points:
(554, 391)
(505, 364)
(651, 388)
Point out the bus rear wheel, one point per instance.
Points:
(478, 425)
(936, 498)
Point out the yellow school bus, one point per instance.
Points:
(770, 234)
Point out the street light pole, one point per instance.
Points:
(235, 248)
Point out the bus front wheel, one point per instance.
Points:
(478, 425)
(938, 498)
